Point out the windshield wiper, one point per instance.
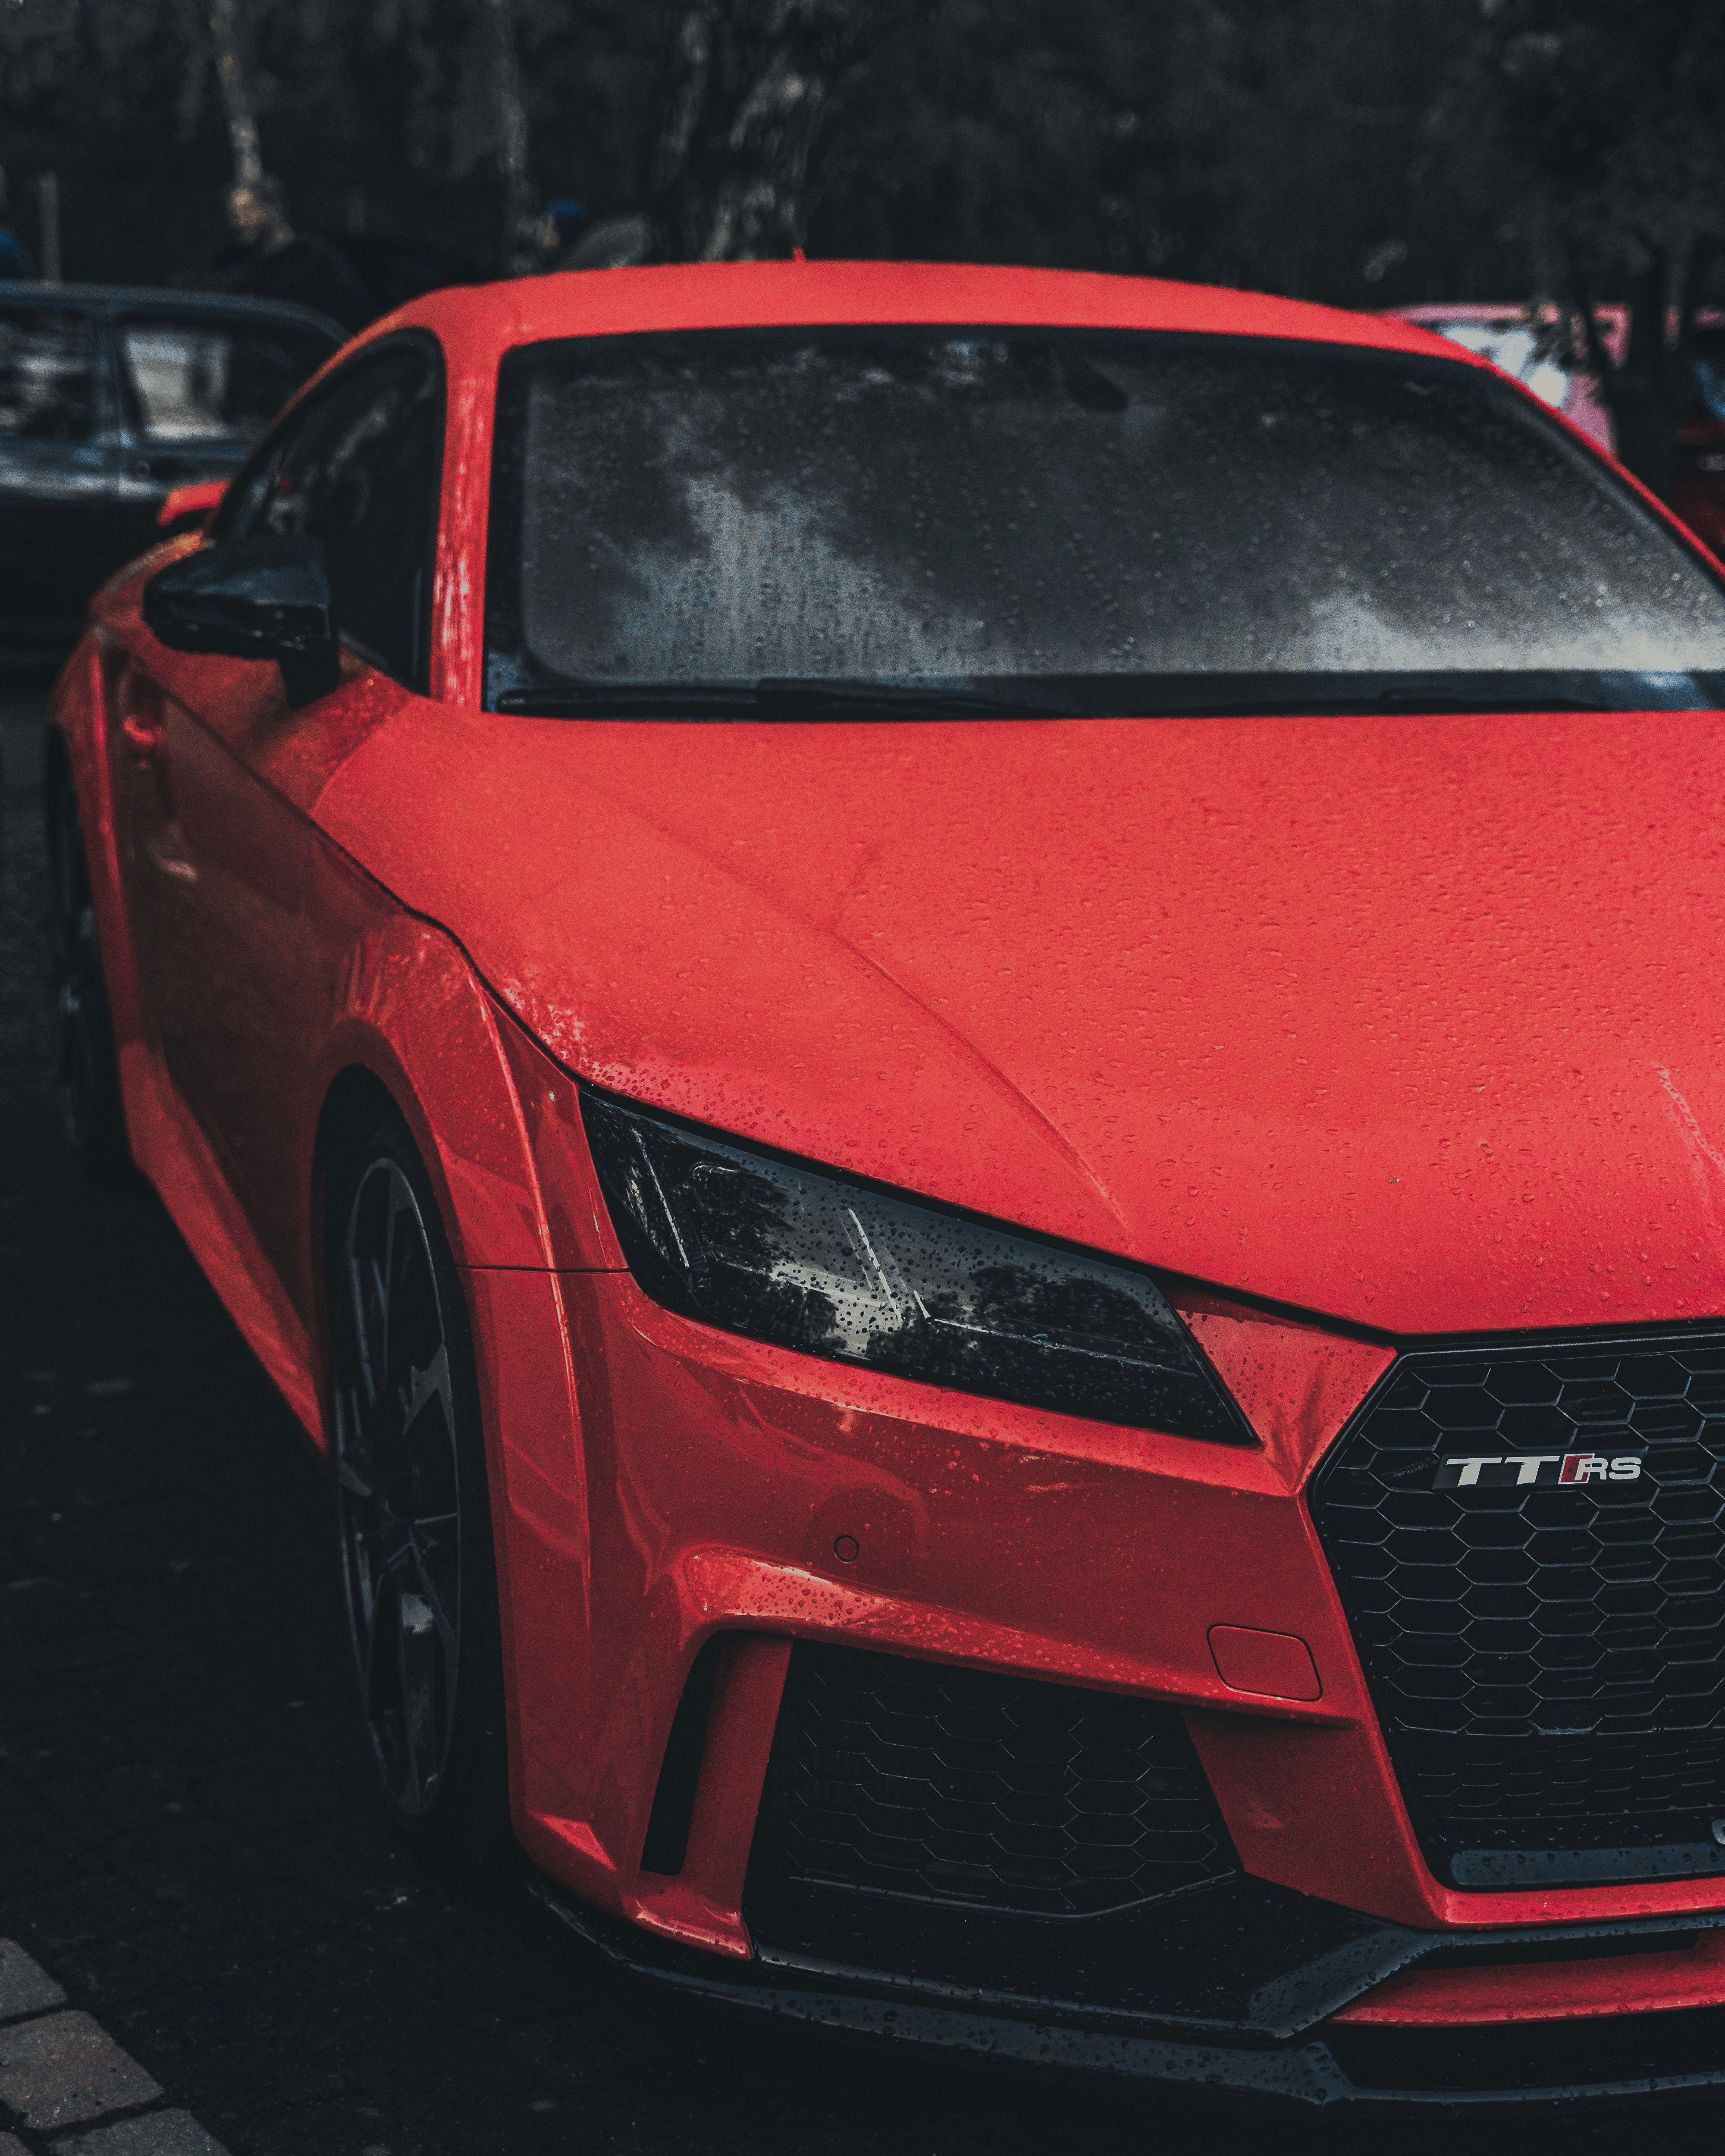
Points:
(794, 699)
(1340, 704)
(786, 698)
(632, 699)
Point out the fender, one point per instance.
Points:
(406, 1015)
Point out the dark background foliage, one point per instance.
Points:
(1368, 152)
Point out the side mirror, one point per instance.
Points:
(253, 598)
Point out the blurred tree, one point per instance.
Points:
(232, 74)
(520, 246)
(1265, 142)
(749, 86)
(1603, 127)
(1269, 142)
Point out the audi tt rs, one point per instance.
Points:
(957, 1032)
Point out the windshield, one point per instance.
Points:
(1066, 522)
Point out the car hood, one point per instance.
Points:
(1414, 1021)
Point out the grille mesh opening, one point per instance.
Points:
(1546, 1659)
(958, 1786)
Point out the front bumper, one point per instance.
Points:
(1248, 1978)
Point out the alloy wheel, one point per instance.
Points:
(397, 1490)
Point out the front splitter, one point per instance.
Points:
(1629, 2059)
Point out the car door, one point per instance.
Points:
(57, 477)
(224, 768)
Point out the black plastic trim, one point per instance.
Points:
(667, 1841)
(1310, 2065)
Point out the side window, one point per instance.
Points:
(358, 469)
(47, 375)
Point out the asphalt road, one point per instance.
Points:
(186, 1845)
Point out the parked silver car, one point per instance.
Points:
(110, 396)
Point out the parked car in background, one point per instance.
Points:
(110, 397)
(1698, 495)
(1502, 333)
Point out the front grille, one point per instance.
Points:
(1545, 1659)
(958, 1786)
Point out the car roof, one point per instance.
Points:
(130, 299)
(474, 321)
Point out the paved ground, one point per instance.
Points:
(187, 1849)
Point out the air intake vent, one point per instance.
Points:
(957, 1786)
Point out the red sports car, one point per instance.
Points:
(958, 1032)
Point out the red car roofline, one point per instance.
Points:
(791, 294)
(484, 321)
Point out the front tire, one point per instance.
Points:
(92, 1114)
(413, 1517)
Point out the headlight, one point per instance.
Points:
(811, 1260)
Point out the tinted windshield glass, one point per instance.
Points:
(1098, 522)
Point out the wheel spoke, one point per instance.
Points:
(387, 1280)
(355, 1464)
(432, 1383)
(377, 1325)
(416, 1330)
(395, 1546)
(434, 1593)
(421, 1737)
(367, 1592)
(362, 1342)
(350, 1478)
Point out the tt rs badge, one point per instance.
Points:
(1469, 1471)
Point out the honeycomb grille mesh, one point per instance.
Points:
(1546, 1661)
(960, 1786)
